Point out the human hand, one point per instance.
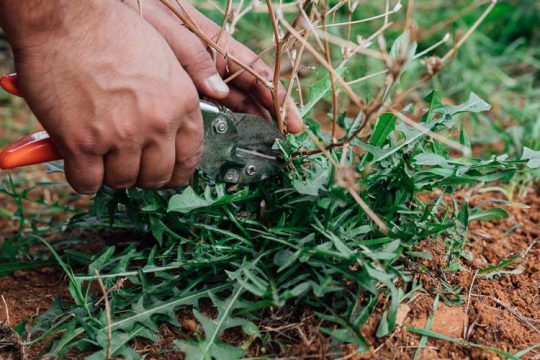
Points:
(111, 94)
(246, 94)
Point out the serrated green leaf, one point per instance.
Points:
(430, 159)
(488, 214)
(320, 90)
(532, 156)
(384, 126)
(474, 104)
(211, 347)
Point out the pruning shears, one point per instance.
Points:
(238, 148)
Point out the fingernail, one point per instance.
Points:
(217, 84)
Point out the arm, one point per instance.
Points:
(246, 93)
(108, 89)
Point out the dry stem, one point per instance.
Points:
(349, 185)
(222, 29)
(192, 26)
(107, 314)
(469, 32)
(7, 310)
(277, 67)
(330, 73)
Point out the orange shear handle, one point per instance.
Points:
(29, 150)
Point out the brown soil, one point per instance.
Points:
(501, 311)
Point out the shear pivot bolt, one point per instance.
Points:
(220, 126)
(251, 170)
(231, 175)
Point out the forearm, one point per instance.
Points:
(29, 22)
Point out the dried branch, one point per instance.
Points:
(297, 62)
(223, 24)
(192, 26)
(469, 32)
(277, 67)
(345, 177)
(6, 308)
(346, 88)
(354, 22)
(330, 73)
(107, 314)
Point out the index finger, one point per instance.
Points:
(251, 85)
(246, 81)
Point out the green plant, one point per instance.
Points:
(336, 233)
(299, 239)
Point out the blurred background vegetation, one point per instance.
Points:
(500, 62)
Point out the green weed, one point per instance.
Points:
(307, 239)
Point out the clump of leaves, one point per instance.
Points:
(333, 233)
(299, 239)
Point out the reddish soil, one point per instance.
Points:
(501, 311)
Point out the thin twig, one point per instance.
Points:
(349, 186)
(350, 10)
(525, 252)
(330, 73)
(241, 71)
(528, 321)
(223, 24)
(267, 49)
(367, 77)
(354, 47)
(7, 310)
(420, 54)
(382, 226)
(192, 26)
(466, 325)
(469, 32)
(448, 142)
(409, 17)
(346, 88)
(440, 25)
(394, 10)
(107, 314)
(277, 67)
(297, 62)
(444, 40)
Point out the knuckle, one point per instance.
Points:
(87, 144)
(127, 133)
(202, 59)
(192, 128)
(190, 160)
(161, 123)
(191, 104)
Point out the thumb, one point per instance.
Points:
(190, 51)
(201, 68)
(198, 63)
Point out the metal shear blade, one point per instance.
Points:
(238, 147)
